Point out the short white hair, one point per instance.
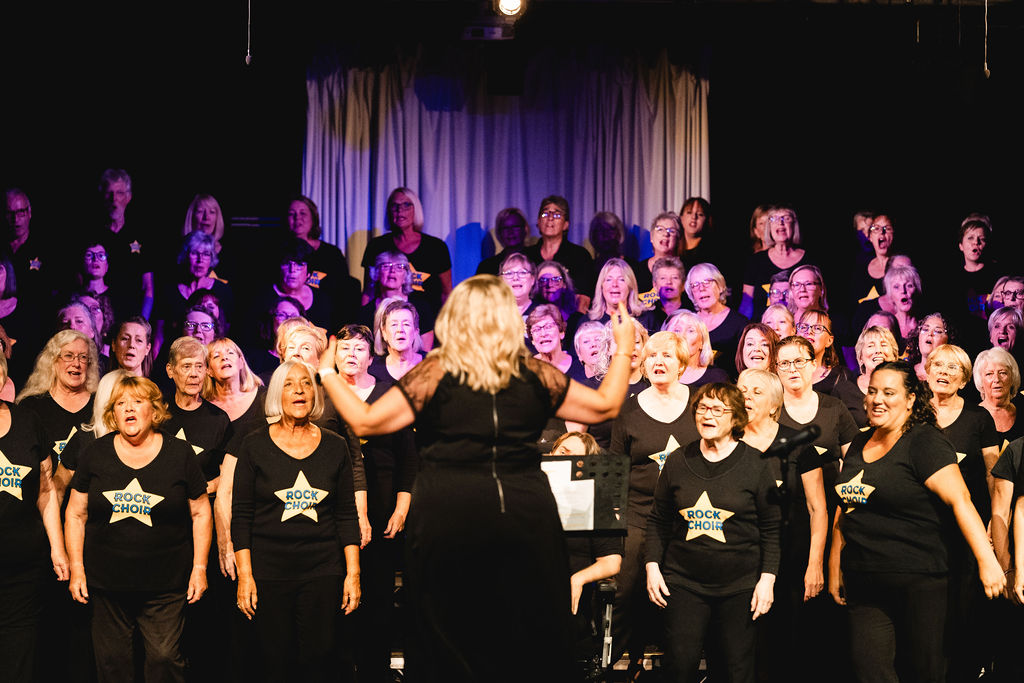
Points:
(276, 389)
(996, 356)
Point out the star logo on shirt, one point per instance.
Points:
(181, 435)
(650, 298)
(872, 294)
(315, 278)
(960, 457)
(704, 519)
(418, 278)
(34, 264)
(136, 247)
(660, 456)
(11, 476)
(132, 502)
(855, 491)
(61, 444)
(300, 499)
(1002, 448)
(820, 449)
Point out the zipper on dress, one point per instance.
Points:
(494, 453)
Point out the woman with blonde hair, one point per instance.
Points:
(705, 285)
(997, 378)
(692, 330)
(59, 391)
(486, 569)
(616, 283)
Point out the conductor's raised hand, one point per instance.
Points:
(623, 331)
(327, 357)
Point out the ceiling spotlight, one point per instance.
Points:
(510, 8)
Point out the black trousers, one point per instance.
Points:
(897, 626)
(724, 623)
(295, 628)
(159, 619)
(635, 620)
(21, 610)
(374, 622)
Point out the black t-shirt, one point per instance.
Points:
(63, 436)
(576, 259)
(428, 261)
(425, 311)
(758, 273)
(647, 443)
(724, 340)
(138, 536)
(837, 429)
(970, 432)
(131, 252)
(390, 461)
(838, 383)
(254, 417)
(714, 526)
(892, 522)
(22, 449)
(711, 375)
(207, 429)
(295, 515)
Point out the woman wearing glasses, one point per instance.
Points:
(806, 290)
(706, 288)
(713, 542)
(519, 274)
(546, 331)
(831, 376)
(867, 277)
(428, 255)
(391, 278)
(666, 230)
(782, 239)
(292, 280)
(553, 245)
(196, 261)
(554, 285)
(802, 406)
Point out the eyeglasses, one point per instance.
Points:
(717, 411)
(798, 363)
(95, 256)
(514, 274)
(554, 215)
(19, 213)
(954, 368)
(1013, 294)
(542, 328)
(778, 292)
(671, 232)
(882, 229)
(804, 285)
(933, 331)
(69, 357)
(548, 280)
(193, 326)
(401, 206)
(201, 254)
(393, 266)
(784, 220)
(816, 329)
(702, 284)
(293, 265)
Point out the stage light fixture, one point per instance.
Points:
(510, 8)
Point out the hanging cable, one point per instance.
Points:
(249, 36)
(988, 74)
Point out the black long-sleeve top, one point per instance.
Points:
(295, 515)
(390, 461)
(714, 526)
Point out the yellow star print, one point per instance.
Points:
(649, 298)
(960, 457)
(855, 491)
(11, 476)
(660, 456)
(61, 444)
(301, 499)
(181, 435)
(704, 519)
(132, 502)
(418, 278)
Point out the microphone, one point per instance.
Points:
(786, 444)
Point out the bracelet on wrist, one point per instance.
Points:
(324, 372)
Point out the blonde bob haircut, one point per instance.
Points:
(996, 356)
(660, 341)
(317, 334)
(218, 227)
(878, 333)
(99, 402)
(247, 379)
(681, 318)
(287, 326)
(481, 334)
(598, 308)
(951, 352)
(771, 382)
(141, 388)
(275, 390)
(44, 375)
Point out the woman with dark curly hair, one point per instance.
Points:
(934, 330)
(889, 553)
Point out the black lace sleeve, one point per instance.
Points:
(552, 378)
(418, 384)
